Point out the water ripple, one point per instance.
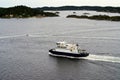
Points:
(103, 58)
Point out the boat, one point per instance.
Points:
(68, 50)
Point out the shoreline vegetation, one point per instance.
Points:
(90, 8)
(24, 12)
(96, 17)
(27, 12)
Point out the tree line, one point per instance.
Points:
(22, 12)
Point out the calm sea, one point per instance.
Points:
(26, 57)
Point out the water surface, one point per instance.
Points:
(26, 57)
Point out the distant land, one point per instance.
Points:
(91, 8)
(24, 12)
(96, 17)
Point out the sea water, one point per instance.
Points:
(24, 45)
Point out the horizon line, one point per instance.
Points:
(59, 6)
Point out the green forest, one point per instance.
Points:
(96, 17)
(91, 8)
(23, 12)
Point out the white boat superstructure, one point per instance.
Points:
(63, 46)
(66, 49)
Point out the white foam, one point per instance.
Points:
(89, 30)
(77, 37)
(13, 36)
(104, 38)
(103, 58)
(95, 58)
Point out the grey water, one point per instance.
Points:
(26, 57)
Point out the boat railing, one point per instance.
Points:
(81, 50)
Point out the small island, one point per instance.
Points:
(24, 12)
(96, 17)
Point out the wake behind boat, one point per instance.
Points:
(64, 49)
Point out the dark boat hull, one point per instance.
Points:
(65, 54)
